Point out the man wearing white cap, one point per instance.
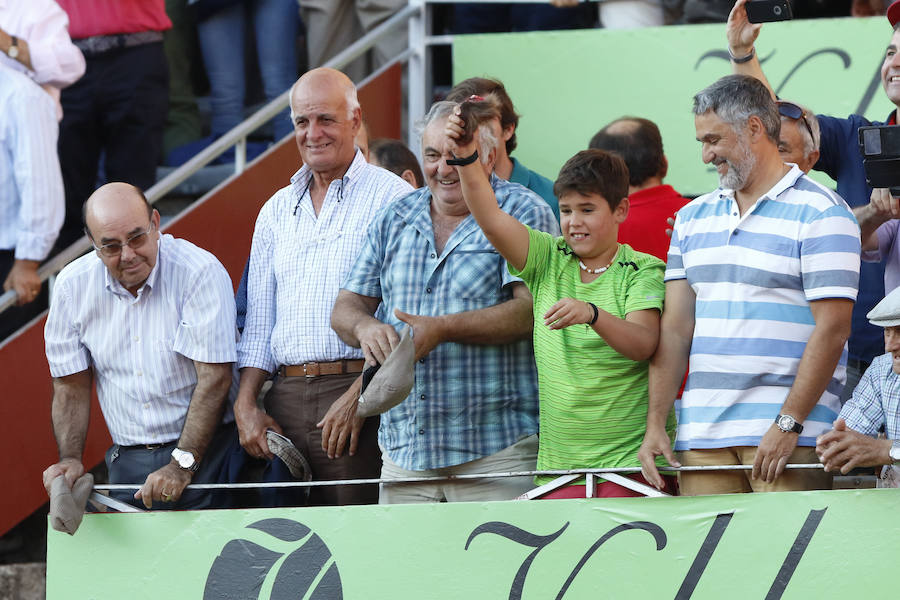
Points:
(875, 404)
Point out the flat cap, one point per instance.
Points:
(887, 312)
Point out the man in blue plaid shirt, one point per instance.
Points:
(874, 407)
(474, 405)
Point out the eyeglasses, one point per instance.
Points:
(113, 249)
(795, 113)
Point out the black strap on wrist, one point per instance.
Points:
(596, 313)
(742, 59)
(462, 162)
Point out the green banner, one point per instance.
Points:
(800, 545)
(567, 85)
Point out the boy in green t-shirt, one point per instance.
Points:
(597, 307)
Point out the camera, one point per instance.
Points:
(880, 148)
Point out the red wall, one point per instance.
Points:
(223, 224)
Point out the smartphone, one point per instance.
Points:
(767, 11)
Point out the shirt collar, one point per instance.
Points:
(788, 181)
(356, 168)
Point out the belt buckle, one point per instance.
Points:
(311, 370)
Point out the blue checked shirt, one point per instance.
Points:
(468, 401)
(876, 400)
(143, 348)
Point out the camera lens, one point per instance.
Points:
(776, 10)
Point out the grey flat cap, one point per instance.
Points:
(285, 449)
(887, 312)
(394, 380)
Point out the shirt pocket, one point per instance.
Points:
(476, 275)
(169, 368)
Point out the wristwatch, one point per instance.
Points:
(185, 460)
(13, 50)
(895, 453)
(788, 424)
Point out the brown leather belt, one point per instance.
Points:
(317, 369)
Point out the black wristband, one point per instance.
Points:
(596, 313)
(741, 60)
(461, 162)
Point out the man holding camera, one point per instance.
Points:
(839, 157)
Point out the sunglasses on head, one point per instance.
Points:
(795, 113)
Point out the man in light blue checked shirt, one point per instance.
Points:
(873, 408)
(151, 317)
(474, 404)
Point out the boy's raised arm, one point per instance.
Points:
(504, 231)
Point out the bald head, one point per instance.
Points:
(326, 117)
(639, 142)
(125, 231)
(324, 82)
(114, 200)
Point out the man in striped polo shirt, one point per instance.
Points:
(760, 284)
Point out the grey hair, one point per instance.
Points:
(350, 98)
(810, 145)
(442, 109)
(736, 98)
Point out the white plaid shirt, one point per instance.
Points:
(298, 261)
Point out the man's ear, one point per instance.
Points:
(508, 132)
(756, 129)
(812, 158)
(409, 177)
(665, 168)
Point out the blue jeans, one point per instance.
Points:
(276, 23)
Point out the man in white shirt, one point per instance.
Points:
(34, 39)
(31, 191)
(306, 239)
(152, 318)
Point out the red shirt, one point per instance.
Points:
(88, 18)
(645, 228)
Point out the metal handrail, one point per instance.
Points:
(460, 477)
(236, 136)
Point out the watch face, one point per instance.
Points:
(185, 460)
(895, 451)
(786, 422)
(13, 52)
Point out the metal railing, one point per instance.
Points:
(563, 477)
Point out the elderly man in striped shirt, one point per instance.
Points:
(152, 318)
(306, 238)
(760, 284)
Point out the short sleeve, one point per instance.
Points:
(206, 332)
(540, 244)
(646, 289)
(66, 354)
(674, 268)
(829, 255)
